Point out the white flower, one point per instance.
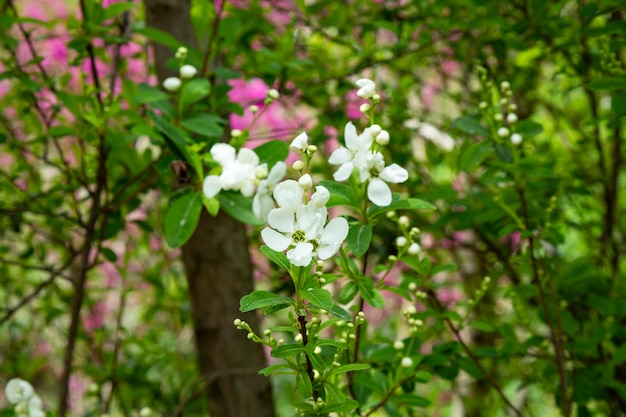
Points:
(300, 143)
(356, 147)
(301, 231)
(374, 170)
(320, 197)
(238, 171)
(441, 139)
(171, 84)
(367, 88)
(382, 138)
(188, 71)
(18, 391)
(263, 202)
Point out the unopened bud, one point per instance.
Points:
(273, 93)
(305, 182)
(364, 108)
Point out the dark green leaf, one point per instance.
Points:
(203, 124)
(411, 399)
(472, 157)
(278, 258)
(303, 385)
(148, 94)
(272, 151)
(239, 207)
(608, 83)
(399, 203)
(109, 254)
(320, 298)
(287, 351)
(345, 407)
(181, 219)
(359, 238)
(158, 36)
(348, 292)
(340, 194)
(193, 91)
(340, 312)
(469, 125)
(528, 129)
(262, 299)
(370, 294)
(114, 9)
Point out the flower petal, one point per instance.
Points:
(379, 192)
(248, 156)
(350, 137)
(277, 172)
(300, 143)
(223, 153)
(211, 186)
(344, 172)
(394, 173)
(275, 240)
(301, 255)
(335, 231)
(288, 194)
(281, 219)
(339, 156)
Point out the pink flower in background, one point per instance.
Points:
(94, 318)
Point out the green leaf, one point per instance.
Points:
(482, 325)
(316, 360)
(116, 8)
(175, 139)
(203, 124)
(608, 83)
(303, 384)
(239, 207)
(182, 218)
(528, 129)
(345, 407)
(278, 258)
(287, 351)
(359, 238)
(370, 294)
(212, 204)
(272, 151)
(348, 292)
(400, 203)
(619, 356)
(109, 254)
(470, 367)
(340, 194)
(268, 370)
(411, 399)
(476, 153)
(319, 298)
(61, 131)
(261, 299)
(193, 91)
(340, 312)
(469, 125)
(351, 367)
(158, 36)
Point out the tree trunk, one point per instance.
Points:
(219, 272)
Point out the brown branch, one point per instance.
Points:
(305, 341)
(556, 331)
(490, 380)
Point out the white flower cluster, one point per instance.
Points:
(299, 225)
(359, 154)
(242, 171)
(22, 395)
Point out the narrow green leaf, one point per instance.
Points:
(272, 151)
(262, 299)
(320, 298)
(278, 258)
(411, 399)
(158, 36)
(340, 194)
(239, 207)
(351, 367)
(114, 9)
(303, 385)
(482, 325)
(528, 129)
(287, 351)
(608, 83)
(345, 407)
(194, 90)
(340, 312)
(203, 124)
(401, 203)
(182, 218)
(370, 294)
(474, 155)
(469, 125)
(359, 238)
(348, 292)
(267, 371)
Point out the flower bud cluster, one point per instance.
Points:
(186, 72)
(480, 292)
(408, 241)
(414, 323)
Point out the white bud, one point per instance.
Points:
(505, 85)
(367, 88)
(512, 107)
(305, 182)
(316, 375)
(398, 345)
(504, 101)
(317, 350)
(253, 108)
(498, 117)
(383, 138)
(401, 241)
(414, 249)
(298, 338)
(503, 132)
(273, 93)
(483, 105)
(376, 98)
(320, 197)
(181, 53)
(412, 286)
(298, 165)
(311, 149)
(237, 322)
(410, 310)
(375, 130)
(404, 221)
(145, 412)
(406, 362)
(261, 171)
(235, 133)
(171, 84)
(364, 108)
(516, 138)
(511, 118)
(188, 71)
(250, 336)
